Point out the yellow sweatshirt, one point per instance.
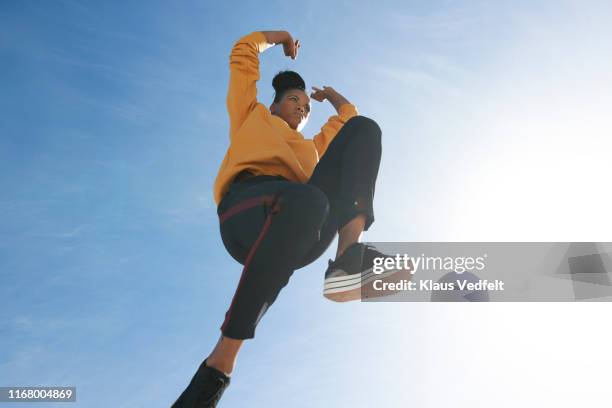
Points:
(259, 141)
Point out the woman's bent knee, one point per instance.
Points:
(368, 125)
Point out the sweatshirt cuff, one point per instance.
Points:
(259, 39)
(347, 111)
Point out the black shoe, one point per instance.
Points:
(204, 390)
(350, 277)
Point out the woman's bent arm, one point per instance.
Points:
(275, 37)
(244, 71)
(244, 74)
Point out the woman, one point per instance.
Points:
(282, 199)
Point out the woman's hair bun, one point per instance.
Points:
(286, 80)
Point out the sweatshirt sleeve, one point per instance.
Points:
(244, 73)
(333, 126)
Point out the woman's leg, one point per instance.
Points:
(350, 233)
(266, 227)
(269, 240)
(347, 174)
(223, 357)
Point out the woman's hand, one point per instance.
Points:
(329, 93)
(290, 46)
(321, 94)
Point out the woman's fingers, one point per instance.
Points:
(317, 91)
(318, 94)
(296, 47)
(291, 47)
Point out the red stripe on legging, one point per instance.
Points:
(272, 200)
(246, 204)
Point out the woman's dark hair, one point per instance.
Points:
(286, 80)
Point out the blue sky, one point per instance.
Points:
(496, 125)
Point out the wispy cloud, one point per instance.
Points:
(441, 25)
(71, 233)
(419, 80)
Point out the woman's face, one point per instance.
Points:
(293, 108)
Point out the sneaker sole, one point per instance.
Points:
(353, 281)
(345, 289)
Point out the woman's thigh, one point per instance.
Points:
(241, 229)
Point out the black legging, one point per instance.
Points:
(274, 226)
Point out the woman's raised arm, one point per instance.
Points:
(244, 71)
